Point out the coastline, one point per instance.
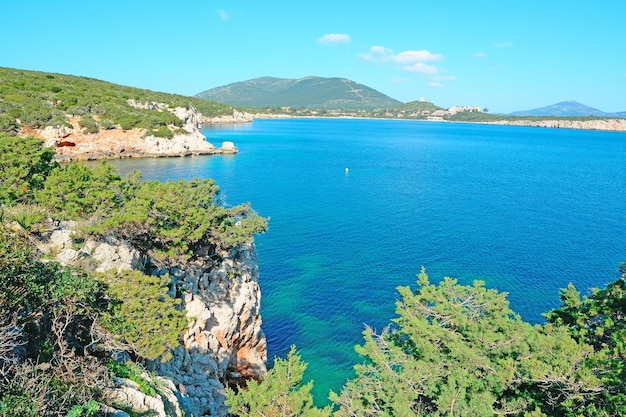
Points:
(71, 144)
(608, 124)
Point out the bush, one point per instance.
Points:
(143, 313)
(162, 132)
(88, 124)
(24, 166)
(8, 125)
(74, 190)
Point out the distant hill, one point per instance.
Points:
(309, 92)
(567, 109)
(418, 106)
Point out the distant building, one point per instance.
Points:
(439, 114)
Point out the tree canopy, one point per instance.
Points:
(459, 350)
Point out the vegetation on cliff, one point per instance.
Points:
(58, 325)
(458, 350)
(37, 99)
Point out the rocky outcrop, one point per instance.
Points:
(236, 117)
(128, 394)
(71, 143)
(224, 341)
(179, 145)
(600, 124)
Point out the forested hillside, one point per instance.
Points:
(318, 93)
(36, 99)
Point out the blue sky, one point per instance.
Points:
(504, 55)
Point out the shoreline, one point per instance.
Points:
(607, 125)
(72, 145)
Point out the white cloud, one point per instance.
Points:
(503, 45)
(382, 54)
(408, 57)
(413, 61)
(334, 38)
(434, 85)
(421, 68)
(223, 14)
(479, 55)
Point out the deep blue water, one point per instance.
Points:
(527, 210)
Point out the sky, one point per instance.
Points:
(502, 55)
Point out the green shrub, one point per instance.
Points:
(74, 190)
(128, 121)
(162, 132)
(88, 124)
(143, 314)
(132, 371)
(24, 166)
(8, 125)
(175, 217)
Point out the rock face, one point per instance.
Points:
(600, 124)
(224, 341)
(73, 144)
(127, 394)
(236, 117)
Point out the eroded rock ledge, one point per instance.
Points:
(221, 296)
(601, 124)
(73, 144)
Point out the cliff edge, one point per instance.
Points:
(223, 343)
(74, 143)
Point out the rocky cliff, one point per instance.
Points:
(223, 342)
(71, 143)
(600, 124)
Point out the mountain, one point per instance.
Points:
(310, 92)
(567, 109)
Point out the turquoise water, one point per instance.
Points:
(525, 209)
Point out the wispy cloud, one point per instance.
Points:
(223, 14)
(503, 45)
(479, 55)
(420, 68)
(334, 38)
(419, 61)
(382, 54)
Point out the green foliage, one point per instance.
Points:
(38, 99)
(143, 313)
(23, 280)
(74, 190)
(599, 320)
(280, 394)
(162, 132)
(24, 165)
(90, 409)
(88, 124)
(16, 403)
(176, 217)
(29, 217)
(460, 350)
(132, 371)
(8, 125)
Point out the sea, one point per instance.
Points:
(358, 206)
